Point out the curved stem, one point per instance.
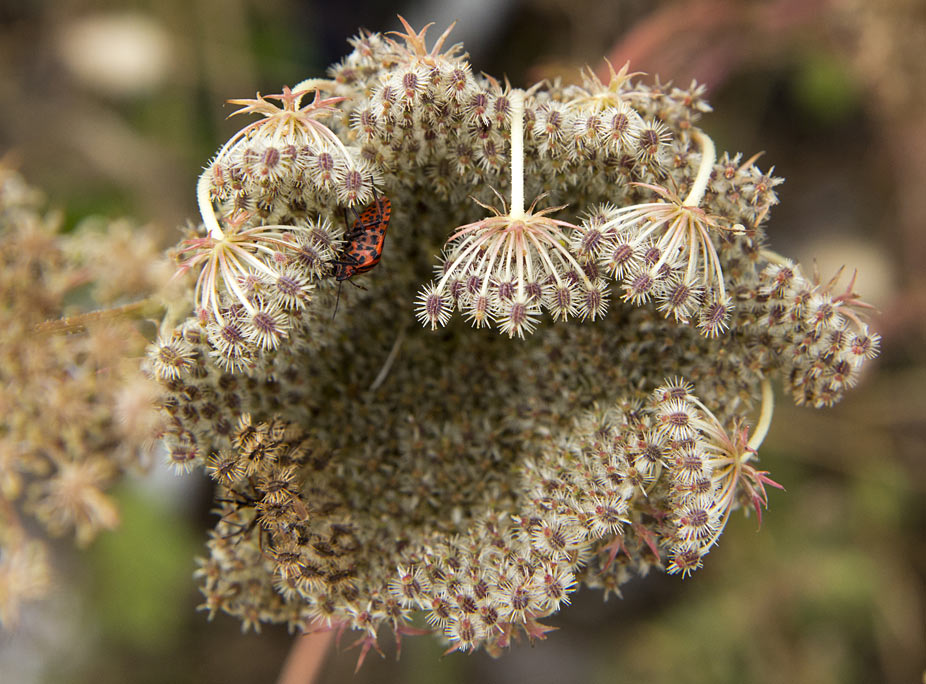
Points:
(564, 254)
(306, 657)
(765, 417)
(206, 210)
(148, 306)
(774, 257)
(487, 264)
(311, 84)
(390, 359)
(469, 252)
(708, 156)
(517, 154)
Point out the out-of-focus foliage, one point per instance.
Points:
(141, 588)
(75, 410)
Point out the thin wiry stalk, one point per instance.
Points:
(517, 153)
(489, 262)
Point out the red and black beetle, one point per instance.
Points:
(363, 242)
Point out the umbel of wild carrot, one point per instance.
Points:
(381, 476)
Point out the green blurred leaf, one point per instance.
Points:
(142, 573)
(824, 88)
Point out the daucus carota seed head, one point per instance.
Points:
(373, 470)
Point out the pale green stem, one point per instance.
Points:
(517, 155)
(765, 417)
(708, 156)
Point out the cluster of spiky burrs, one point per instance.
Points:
(377, 474)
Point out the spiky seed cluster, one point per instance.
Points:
(380, 476)
(506, 268)
(710, 470)
(254, 284)
(817, 332)
(661, 252)
(589, 499)
(510, 265)
(256, 171)
(665, 251)
(424, 111)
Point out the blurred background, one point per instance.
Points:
(113, 107)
